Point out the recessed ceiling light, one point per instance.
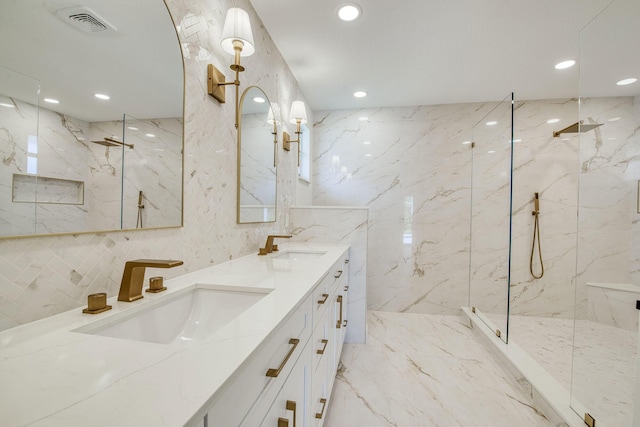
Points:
(258, 100)
(363, 118)
(150, 135)
(51, 101)
(349, 12)
(132, 128)
(360, 94)
(614, 119)
(492, 123)
(628, 81)
(466, 142)
(517, 140)
(565, 139)
(368, 155)
(101, 96)
(553, 121)
(491, 151)
(4, 104)
(366, 142)
(565, 64)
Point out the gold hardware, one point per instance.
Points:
(269, 246)
(322, 301)
(110, 142)
(324, 405)
(577, 127)
(498, 333)
(346, 261)
(286, 141)
(291, 406)
(133, 275)
(346, 288)
(338, 274)
(473, 309)
(339, 322)
(589, 420)
(283, 422)
(298, 116)
(345, 323)
(325, 342)
(156, 284)
(97, 303)
(273, 373)
(214, 88)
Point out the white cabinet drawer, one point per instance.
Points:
(279, 352)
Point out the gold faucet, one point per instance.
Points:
(133, 276)
(269, 246)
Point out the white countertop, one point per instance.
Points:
(52, 376)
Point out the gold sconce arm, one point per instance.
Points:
(287, 141)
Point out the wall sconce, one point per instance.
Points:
(298, 116)
(237, 39)
(272, 119)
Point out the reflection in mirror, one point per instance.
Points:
(72, 162)
(257, 158)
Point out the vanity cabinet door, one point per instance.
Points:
(291, 406)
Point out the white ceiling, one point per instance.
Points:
(139, 65)
(423, 52)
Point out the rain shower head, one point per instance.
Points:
(577, 127)
(110, 142)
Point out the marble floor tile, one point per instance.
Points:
(421, 370)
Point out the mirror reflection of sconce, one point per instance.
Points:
(237, 40)
(298, 116)
(272, 119)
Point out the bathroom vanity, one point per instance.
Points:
(251, 342)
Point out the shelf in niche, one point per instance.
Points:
(42, 189)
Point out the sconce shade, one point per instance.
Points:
(298, 112)
(274, 114)
(237, 27)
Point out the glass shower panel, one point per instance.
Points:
(491, 217)
(605, 343)
(19, 149)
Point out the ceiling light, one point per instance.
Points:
(132, 128)
(614, 119)
(491, 151)
(150, 135)
(349, 12)
(4, 104)
(466, 142)
(258, 100)
(366, 142)
(363, 118)
(565, 64)
(628, 81)
(368, 155)
(360, 94)
(492, 123)
(550, 121)
(51, 101)
(517, 140)
(102, 96)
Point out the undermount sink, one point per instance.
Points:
(189, 316)
(299, 255)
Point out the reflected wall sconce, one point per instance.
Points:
(272, 119)
(237, 40)
(298, 116)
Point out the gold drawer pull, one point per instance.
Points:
(321, 413)
(325, 342)
(346, 261)
(345, 323)
(273, 373)
(283, 422)
(339, 322)
(322, 301)
(338, 274)
(291, 406)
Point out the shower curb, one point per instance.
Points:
(549, 396)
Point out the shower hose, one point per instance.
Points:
(536, 237)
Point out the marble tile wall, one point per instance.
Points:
(42, 276)
(409, 166)
(340, 225)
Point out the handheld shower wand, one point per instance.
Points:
(140, 208)
(536, 236)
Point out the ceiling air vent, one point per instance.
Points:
(85, 19)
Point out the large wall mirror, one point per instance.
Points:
(91, 112)
(257, 157)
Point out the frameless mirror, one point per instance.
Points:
(257, 151)
(91, 107)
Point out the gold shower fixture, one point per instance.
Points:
(298, 116)
(237, 40)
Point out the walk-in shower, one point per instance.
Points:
(577, 322)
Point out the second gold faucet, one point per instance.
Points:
(269, 246)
